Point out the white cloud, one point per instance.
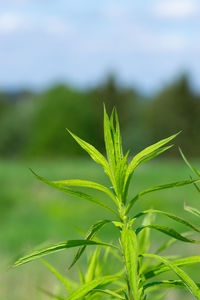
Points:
(176, 9)
(15, 22)
(134, 35)
(10, 22)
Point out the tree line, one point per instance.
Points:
(34, 124)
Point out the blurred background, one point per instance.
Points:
(60, 61)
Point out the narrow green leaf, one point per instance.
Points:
(130, 249)
(92, 266)
(144, 235)
(148, 265)
(171, 216)
(81, 275)
(163, 284)
(109, 141)
(189, 165)
(58, 247)
(144, 242)
(192, 210)
(179, 263)
(112, 128)
(192, 168)
(197, 187)
(158, 188)
(120, 173)
(87, 184)
(141, 161)
(170, 242)
(58, 275)
(93, 152)
(75, 193)
(89, 235)
(51, 295)
(126, 296)
(151, 155)
(103, 263)
(169, 231)
(87, 287)
(109, 292)
(117, 140)
(189, 283)
(148, 151)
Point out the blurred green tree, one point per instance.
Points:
(176, 108)
(2, 104)
(34, 125)
(57, 108)
(15, 123)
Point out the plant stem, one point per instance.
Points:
(123, 216)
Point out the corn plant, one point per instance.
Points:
(137, 267)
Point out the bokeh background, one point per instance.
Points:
(60, 61)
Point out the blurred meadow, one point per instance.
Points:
(34, 215)
(66, 61)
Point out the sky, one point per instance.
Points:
(145, 43)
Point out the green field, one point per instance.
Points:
(33, 214)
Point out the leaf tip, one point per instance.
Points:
(35, 174)
(181, 152)
(69, 131)
(30, 169)
(11, 267)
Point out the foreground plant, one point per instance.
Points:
(137, 267)
(190, 209)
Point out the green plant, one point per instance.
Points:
(137, 267)
(190, 209)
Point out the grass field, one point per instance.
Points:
(33, 214)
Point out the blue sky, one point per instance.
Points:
(147, 43)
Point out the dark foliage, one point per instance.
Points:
(34, 124)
